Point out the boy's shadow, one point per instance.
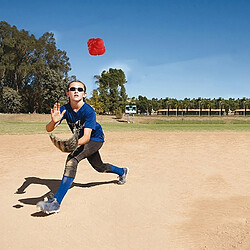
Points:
(53, 186)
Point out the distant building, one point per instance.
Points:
(200, 112)
(242, 112)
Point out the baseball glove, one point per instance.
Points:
(65, 145)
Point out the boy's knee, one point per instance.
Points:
(70, 168)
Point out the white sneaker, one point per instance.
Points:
(123, 178)
(49, 207)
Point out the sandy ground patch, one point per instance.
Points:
(185, 190)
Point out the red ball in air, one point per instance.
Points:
(96, 46)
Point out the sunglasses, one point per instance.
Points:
(74, 89)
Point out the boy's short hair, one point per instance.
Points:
(84, 86)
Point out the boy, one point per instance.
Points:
(80, 115)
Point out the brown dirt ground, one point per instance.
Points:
(185, 190)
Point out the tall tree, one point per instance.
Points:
(48, 54)
(49, 89)
(112, 92)
(17, 51)
(25, 60)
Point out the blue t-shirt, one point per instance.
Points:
(85, 117)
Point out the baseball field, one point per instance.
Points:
(187, 187)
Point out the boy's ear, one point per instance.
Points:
(67, 93)
(85, 94)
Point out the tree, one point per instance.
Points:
(17, 51)
(143, 104)
(11, 100)
(123, 97)
(49, 55)
(95, 102)
(25, 60)
(50, 88)
(112, 92)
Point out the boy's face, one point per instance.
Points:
(75, 92)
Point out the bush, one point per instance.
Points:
(118, 114)
(11, 100)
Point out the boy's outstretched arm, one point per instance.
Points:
(56, 116)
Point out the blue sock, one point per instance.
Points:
(116, 170)
(64, 187)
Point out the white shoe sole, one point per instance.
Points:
(40, 208)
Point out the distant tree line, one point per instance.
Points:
(148, 106)
(145, 105)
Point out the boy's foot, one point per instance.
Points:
(49, 207)
(123, 178)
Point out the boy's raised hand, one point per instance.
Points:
(56, 115)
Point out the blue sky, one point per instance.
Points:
(167, 48)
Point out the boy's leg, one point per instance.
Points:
(69, 172)
(69, 175)
(89, 151)
(53, 204)
(97, 163)
(63, 189)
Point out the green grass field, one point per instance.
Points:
(157, 125)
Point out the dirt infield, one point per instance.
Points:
(185, 190)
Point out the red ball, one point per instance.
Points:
(96, 46)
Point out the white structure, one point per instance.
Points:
(130, 109)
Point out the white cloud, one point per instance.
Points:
(124, 66)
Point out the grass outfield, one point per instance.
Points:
(158, 125)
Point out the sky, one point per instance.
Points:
(166, 48)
